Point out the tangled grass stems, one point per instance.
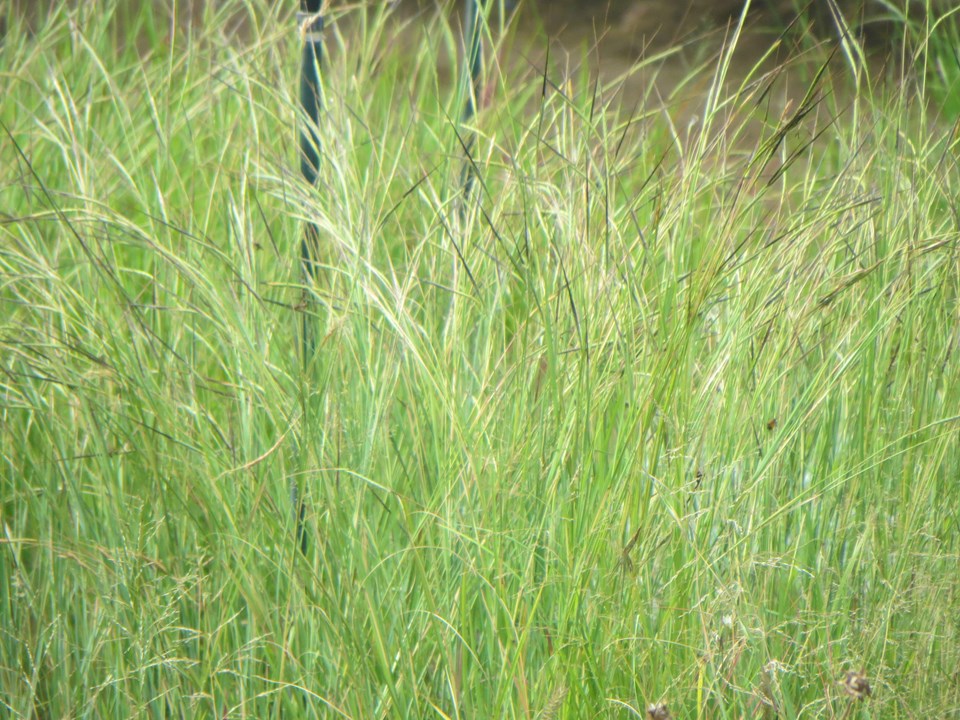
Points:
(541, 466)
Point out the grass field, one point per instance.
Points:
(661, 413)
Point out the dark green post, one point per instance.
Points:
(473, 49)
(473, 62)
(310, 24)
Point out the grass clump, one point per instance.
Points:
(664, 415)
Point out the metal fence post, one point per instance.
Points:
(473, 62)
(310, 25)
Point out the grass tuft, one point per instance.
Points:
(666, 408)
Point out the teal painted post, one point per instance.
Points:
(310, 23)
(473, 62)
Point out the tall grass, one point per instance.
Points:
(666, 412)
